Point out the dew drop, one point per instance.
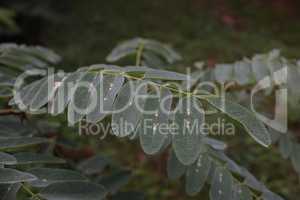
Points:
(220, 192)
(221, 178)
(156, 114)
(199, 163)
(188, 111)
(111, 85)
(154, 127)
(105, 99)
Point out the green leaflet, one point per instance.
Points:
(24, 59)
(175, 168)
(285, 146)
(223, 72)
(242, 72)
(81, 98)
(39, 52)
(12, 126)
(64, 93)
(76, 190)
(216, 144)
(10, 176)
(151, 60)
(26, 158)
(274, 61)
(9, 191)
(6, 79)
(163, 50)
(165, 75)
(187, 135)
(14, 63)
(150, 47)
(154, 128)
(23, 98)
(127, 108)
(107, 89)
(44, 54)
(7, 159)
(115, 181)
(47, 176)
(93, 165)
(231, 165)
(20, 142)
(197, 174)
(293, 77)
(44, 93)
(241, 192)
(221, 186)
(296, 157)
(251, 124)
(260, 67)
(124, 49)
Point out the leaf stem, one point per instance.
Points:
(139, 54)
(187, 93)
(33, 195)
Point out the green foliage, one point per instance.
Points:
(199, 157)
(16, 59)
(249, 72)
(148, 52)
(23, 167)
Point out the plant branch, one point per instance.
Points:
(10, 112)
(186, 93)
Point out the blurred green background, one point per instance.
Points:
(214, 31)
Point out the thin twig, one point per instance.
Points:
(10, 111)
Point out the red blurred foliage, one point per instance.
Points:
(74, 154)
(287, 7)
